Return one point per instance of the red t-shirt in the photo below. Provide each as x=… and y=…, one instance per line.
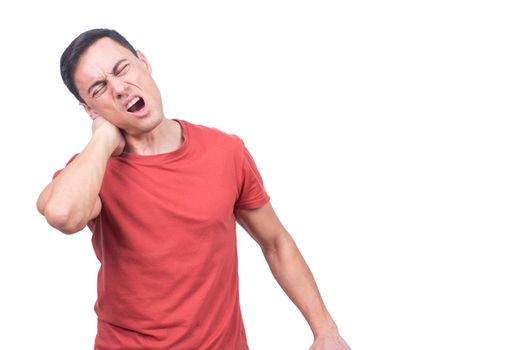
x=166, y=241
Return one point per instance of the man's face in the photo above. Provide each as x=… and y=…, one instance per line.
x=118, y=86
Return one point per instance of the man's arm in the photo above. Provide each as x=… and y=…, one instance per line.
x=292, y=273
x=71, y=199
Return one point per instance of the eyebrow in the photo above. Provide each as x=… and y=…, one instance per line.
x=114, y=72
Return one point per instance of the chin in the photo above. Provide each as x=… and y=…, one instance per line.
x=148, y=124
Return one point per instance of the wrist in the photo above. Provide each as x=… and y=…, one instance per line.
x=324, y=327
x=108, y=141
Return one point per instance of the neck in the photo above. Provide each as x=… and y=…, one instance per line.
x=166, y=137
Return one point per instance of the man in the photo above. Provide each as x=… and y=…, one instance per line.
x=162, y=198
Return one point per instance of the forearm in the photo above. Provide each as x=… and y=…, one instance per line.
x=294, y=276
x=69, y=201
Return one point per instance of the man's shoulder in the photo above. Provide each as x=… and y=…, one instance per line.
x=214, y=135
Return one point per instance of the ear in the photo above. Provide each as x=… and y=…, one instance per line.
x=92, y=113
x=142, y=58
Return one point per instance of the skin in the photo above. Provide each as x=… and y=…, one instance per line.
x=107, y=77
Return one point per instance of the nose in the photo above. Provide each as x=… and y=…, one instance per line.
x=119, y=87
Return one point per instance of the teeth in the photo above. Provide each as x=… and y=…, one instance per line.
x=132, y=102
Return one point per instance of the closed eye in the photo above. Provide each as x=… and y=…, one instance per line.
x=122, y=70
x=100, y=88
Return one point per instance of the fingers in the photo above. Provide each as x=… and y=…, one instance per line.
x=97, y=122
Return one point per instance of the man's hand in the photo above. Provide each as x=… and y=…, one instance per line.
x=114, y=135
x=71, y=200
x=292, y=273
x=329, y=341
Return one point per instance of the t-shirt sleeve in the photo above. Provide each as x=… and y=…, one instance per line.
x=252, y=192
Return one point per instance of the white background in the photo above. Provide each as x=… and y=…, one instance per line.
x=388, y=133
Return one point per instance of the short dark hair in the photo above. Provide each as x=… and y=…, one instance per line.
x=74, y=51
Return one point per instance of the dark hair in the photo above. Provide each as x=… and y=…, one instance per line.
x=74, y=51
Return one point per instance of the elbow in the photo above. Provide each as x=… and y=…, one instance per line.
x=63, y=219
x=279, y=244
x=279, y=253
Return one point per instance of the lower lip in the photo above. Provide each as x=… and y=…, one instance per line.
x=142, y=112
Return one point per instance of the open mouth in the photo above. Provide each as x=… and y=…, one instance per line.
x=136, y=104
